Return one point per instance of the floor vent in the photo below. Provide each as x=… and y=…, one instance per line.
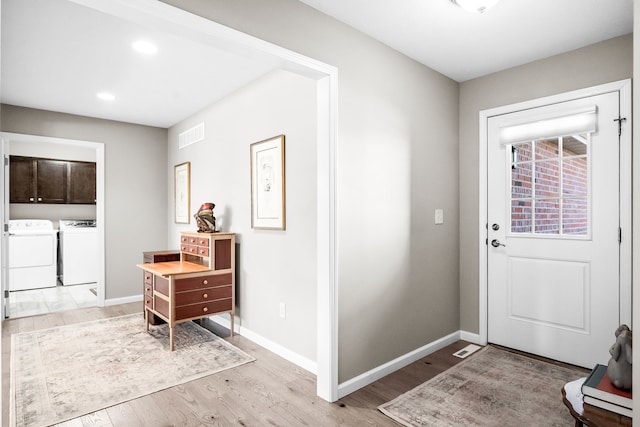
x=470, y=349
x=191, y=136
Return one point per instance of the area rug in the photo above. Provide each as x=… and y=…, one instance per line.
x=62, y=373
x=493, y=387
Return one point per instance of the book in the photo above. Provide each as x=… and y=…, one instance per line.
x=611, y=407
x=599, y=386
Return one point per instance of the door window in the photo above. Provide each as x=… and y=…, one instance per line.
x=549, y=192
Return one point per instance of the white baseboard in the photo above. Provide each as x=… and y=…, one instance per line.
x=381, y=371
x=471, y=337
x=285, y=353
x=123, y=300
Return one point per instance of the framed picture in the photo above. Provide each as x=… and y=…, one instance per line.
x=182, y=189
x=267, y=184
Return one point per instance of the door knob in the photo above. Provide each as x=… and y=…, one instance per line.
x=495, y=243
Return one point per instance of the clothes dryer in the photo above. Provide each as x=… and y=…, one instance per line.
x=78, y=251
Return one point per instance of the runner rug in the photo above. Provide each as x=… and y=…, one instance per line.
x=65, y=372
x=493, y=387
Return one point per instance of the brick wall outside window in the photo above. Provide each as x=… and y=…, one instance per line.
x=560, y=202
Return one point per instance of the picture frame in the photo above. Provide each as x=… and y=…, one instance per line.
x=268, y=184
x=182, y=192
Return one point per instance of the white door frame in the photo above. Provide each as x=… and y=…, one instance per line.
x=206, y=31
x=624, y=87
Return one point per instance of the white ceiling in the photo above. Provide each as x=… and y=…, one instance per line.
x=464, y=45
x=56, y=55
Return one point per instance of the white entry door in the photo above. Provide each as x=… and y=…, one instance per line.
x=553, y=210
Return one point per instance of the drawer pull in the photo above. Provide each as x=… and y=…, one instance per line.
x=205, y=309
x=205, y=296
x=202, y=251
x=205, y=282
x=148, y=289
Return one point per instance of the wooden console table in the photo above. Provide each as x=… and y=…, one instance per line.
x=201, y=284
x=593, y=416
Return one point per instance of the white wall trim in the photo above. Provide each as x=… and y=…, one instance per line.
x=622, y=86
x=181, y=22
x=285, y=353
x=124, y=300
x=326, y=246
x=385, y=369
x=471, y=337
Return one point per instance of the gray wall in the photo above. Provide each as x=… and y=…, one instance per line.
x=600, y=63
x=274, y=266
x=397, y=162
x=135, y=185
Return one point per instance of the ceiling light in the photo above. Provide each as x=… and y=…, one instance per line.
x=475, y=6
x=106, y=96
x=145, y=47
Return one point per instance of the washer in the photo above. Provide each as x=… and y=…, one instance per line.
x=78, y=251
x=32, y=254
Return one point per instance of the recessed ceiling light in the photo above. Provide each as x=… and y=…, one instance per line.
x=145, y=47
x=106, y=96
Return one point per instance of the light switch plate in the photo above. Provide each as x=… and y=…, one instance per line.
x=439, y=216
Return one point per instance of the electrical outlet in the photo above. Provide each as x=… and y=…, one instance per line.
x=283, y=310
x=439, y=216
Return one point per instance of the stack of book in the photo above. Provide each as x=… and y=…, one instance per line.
x=598, y=390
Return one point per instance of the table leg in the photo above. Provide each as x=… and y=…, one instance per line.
x=232, y=318
x=171, y=338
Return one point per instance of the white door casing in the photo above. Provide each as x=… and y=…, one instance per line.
x=4, y=246
x=561, y=296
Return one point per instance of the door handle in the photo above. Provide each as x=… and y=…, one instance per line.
x=495, y=243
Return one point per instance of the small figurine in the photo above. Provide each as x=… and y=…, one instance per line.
x=205, y=220
x=619, y=368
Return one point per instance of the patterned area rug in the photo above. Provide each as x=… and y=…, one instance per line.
x=62, y=373
x=491, y=388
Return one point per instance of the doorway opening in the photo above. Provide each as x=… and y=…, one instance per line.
x=29, y=302
x=180, y=22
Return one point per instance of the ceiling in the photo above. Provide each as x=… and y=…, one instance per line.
x=56, y=54
x=464, y=45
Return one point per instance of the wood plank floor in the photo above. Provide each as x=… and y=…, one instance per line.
x=269, y=391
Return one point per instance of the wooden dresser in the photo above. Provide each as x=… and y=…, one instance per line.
x=200, y=284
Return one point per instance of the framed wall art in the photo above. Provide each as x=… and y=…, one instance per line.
x=267, y=184
x=182, y=192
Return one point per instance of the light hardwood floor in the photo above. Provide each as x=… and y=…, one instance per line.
x=269, y=391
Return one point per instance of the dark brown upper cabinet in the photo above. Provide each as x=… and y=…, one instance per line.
x=82, y=183
x=38, y=180
x=22, y=180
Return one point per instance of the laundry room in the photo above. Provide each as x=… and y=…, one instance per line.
x=53, y=243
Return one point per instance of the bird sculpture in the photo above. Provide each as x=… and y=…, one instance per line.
x=205, y=220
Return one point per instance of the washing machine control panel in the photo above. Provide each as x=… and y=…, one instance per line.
x=30, y=224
